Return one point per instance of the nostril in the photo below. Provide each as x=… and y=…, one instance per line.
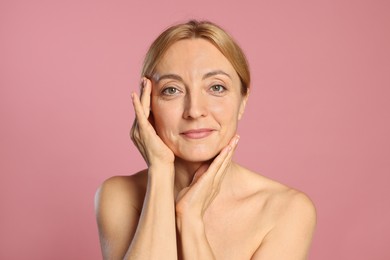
x=195, y=107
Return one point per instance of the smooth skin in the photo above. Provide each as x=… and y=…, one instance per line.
x=193, y=201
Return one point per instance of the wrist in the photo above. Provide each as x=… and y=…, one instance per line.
x=189, y=223
x=161, y=176
x=163, y=169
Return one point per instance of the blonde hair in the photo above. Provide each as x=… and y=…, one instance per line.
x=204, y=30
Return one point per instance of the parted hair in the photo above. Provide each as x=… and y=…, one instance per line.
x=204, y=30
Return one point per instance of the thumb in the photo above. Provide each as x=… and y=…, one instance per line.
x=199, y=173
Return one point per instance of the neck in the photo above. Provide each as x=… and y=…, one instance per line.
x=185, y=171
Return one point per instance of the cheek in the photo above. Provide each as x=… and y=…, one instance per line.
x=165, y=118
x=227, y=112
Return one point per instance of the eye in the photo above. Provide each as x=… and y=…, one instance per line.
x=170, y=91
x=218, y=88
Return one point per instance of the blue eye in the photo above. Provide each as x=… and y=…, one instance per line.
x=218, y=88
x=170, y=91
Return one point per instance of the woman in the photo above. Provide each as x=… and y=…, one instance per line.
x=193, y=201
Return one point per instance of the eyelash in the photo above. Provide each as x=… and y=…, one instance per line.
x=221, y=90
x=166, y=90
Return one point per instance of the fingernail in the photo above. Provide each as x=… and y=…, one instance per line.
x=237, y=138
x=144, y=82
x=141, y=83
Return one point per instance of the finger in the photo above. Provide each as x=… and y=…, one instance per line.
x=227, y=160
x=199, y=173
x=233, y=143
x=145, y=96
x=133, y=130
x=225, y=154
x=220, y=164
x=141, y=118
x=217, y=163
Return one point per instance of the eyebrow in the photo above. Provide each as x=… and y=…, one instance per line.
x=167, y=76
x=214, y=73
x=178, y=78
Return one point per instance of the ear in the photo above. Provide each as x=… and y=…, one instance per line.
x=243, y=105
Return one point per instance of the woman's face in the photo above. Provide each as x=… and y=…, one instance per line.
x=196, y=100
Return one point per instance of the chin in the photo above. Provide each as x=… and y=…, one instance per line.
x=197, y=151
x=197, y=156
x=195, y=159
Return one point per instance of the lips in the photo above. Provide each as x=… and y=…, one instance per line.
x=197, y=133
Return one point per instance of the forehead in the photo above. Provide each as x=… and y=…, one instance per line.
x=195, y=56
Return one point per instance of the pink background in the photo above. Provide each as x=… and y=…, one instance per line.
x=317, y=118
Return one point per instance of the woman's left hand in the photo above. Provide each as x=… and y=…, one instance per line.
x=196, y=198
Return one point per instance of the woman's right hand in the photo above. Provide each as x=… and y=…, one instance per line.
x=143, y=134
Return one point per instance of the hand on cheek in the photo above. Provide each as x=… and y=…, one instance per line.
x=143, y=134
x=194, y=200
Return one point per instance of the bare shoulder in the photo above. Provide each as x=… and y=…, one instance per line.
x=286, y=201
x=288, y=215
x=293, y=210
x=118, y=204
x=130, y=188
x=276, y=197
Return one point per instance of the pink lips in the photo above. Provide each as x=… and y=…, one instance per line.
x=198, y=133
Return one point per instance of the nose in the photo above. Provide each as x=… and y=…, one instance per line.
x=195, y=106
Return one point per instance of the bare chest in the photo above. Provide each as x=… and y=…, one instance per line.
x=235, y=231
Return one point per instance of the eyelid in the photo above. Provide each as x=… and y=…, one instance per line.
x=218, y=85
x=165, y=94
x=164, y=84
x=218, y=92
